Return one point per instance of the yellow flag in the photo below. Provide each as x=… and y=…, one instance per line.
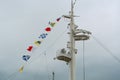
x=37, y=43
x=52, y=24
x=21, y=69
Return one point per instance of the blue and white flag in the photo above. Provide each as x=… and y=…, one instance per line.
x=26, y=57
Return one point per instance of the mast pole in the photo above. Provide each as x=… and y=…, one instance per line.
x=72, y=48
x=53, y=76
x=75, y=35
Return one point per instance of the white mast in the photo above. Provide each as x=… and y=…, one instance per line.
x=75, y=35
x=72, y=46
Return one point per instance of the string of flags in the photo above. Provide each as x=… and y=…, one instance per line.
x=37, y=43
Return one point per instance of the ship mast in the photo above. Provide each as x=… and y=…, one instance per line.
x=75, y=35
x=72, y=46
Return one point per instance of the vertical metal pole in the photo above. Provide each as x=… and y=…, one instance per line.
x=72, y=48
x=53, y=76
x=84, y=60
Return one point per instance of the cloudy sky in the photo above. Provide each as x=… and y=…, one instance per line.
x=22, y=21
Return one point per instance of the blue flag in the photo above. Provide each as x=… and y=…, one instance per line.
x=26, y=57
x=43, y=35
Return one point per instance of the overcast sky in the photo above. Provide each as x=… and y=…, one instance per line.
x=22, y=21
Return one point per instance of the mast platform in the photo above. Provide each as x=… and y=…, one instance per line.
x=62, y=55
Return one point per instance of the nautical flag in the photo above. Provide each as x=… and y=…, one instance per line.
x=58, y=19
x=52, y=24
x=48, y=29
x=26, y=57
x=43, y=35
x=30, y=48
x=21, y=69
x=37, y=43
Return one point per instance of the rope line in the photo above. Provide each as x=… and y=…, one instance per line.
x=103, y=46
x=50, y=46
x=57, y=39
x=12, y=75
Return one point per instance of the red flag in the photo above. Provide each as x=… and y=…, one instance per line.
x=58, y=19
x=48, y=29
x=30, y=48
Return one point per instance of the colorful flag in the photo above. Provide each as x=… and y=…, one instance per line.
x=43, y=35
x=52, y=24
x=37, y=43
x=58, y=19
x=48, y=29
x=30, y=48
x=21, y=69
x=26, y=57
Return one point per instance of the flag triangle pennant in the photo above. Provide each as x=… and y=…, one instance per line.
x=43, y=35
x=58, y=19
x=52, y=24
x=37, y=43
x=21, y=69
x=30, y=48
x=26, y=57
x=48, y=29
